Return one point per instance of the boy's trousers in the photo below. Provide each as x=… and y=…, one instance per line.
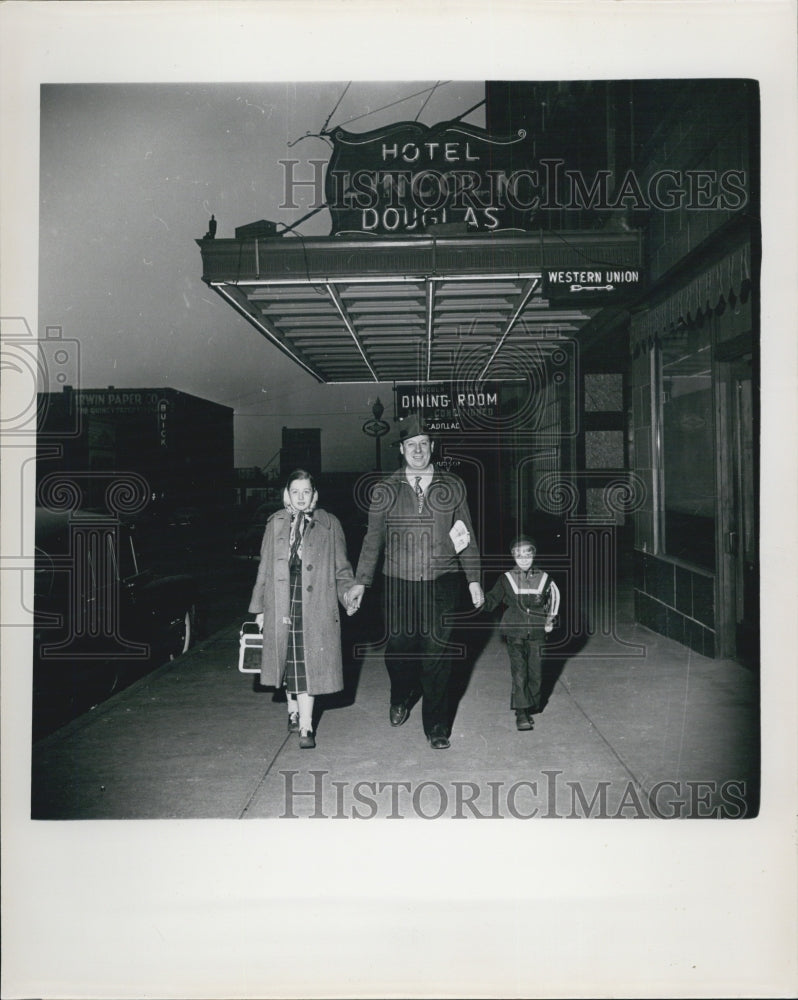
x=526, y=668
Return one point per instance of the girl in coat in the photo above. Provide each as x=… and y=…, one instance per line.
x=303, y=569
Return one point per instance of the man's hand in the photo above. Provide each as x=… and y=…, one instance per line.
x=477, y=596
x=259, y=620
x=549, y=623
x=353, y=597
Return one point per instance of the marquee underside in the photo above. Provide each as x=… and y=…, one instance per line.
x=421, y=309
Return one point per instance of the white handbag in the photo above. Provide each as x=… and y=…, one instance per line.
x=250, y=648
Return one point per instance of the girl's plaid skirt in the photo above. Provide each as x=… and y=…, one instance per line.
x=295, y=677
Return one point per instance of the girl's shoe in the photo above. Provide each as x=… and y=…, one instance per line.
x=293, y=722
x=523, y=720
x=307, y=741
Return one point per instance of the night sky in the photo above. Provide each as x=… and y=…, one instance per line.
x=130, y=175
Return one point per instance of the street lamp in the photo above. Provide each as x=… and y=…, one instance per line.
x=376, y=428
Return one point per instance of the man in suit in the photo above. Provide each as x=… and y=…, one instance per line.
x=420, y=517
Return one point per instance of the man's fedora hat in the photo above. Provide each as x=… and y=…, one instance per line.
x=411, y=427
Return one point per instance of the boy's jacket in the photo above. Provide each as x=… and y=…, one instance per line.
x=529, y=598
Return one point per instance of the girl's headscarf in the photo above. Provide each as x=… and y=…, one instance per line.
x=299, y=518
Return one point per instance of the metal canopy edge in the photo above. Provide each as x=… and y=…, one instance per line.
x=382, y=310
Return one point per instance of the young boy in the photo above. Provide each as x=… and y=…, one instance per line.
x=531, y=600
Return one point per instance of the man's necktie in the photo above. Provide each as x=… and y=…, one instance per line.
x=419, y=494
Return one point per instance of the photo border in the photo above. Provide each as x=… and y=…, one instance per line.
x=184, y=908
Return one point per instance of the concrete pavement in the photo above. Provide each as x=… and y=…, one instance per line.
x=635, y=726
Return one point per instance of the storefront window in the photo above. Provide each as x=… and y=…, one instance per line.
x=688, y=452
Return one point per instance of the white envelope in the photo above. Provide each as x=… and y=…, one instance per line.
x=459, y=535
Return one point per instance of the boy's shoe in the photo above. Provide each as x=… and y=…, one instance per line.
x=293, y=722
x=523, y=720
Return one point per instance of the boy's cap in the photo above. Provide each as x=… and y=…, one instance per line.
x=520, y=540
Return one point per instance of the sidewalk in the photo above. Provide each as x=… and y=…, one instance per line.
x=660, y=732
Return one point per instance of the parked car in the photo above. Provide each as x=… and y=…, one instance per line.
x=247, y=539
x=107, y=609
x=189, y=536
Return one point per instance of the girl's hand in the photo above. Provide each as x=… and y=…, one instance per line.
x=353, y=597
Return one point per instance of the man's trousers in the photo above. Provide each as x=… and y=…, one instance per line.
x=418, y=653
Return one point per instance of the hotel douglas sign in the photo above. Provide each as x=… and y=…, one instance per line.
x=403, y=178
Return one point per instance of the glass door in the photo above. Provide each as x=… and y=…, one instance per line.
x=742, y=537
